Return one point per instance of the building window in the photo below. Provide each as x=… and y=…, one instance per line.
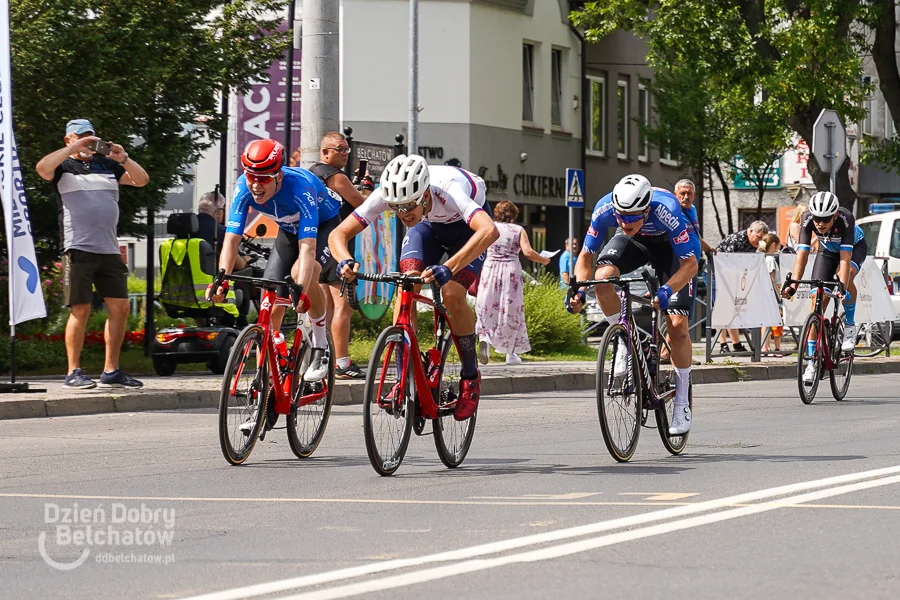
x=622, y=119
x=528, y=83
x=597, y=133
x=644, y=118
x=556, y=88
x=746, y=216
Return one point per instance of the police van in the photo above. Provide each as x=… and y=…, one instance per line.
x=882, y=230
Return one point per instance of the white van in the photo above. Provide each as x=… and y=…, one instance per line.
x=882, y=231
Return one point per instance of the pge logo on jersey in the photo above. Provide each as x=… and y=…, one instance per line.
x=114, y=533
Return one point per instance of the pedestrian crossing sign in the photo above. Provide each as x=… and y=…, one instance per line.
x=575, y=188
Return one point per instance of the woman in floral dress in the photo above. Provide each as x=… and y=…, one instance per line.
x=500, y=304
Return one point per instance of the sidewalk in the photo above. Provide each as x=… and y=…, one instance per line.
x=202, y=391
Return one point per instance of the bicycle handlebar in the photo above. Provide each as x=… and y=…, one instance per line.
x=401, y=279
x=294, y=289
x=816, y=283
x=651, y=281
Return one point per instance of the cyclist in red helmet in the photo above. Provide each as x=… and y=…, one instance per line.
x=306, y=213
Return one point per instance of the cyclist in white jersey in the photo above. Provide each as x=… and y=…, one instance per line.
x=445, y=211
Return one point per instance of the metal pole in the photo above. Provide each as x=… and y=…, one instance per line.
x=320, y=59
x=571, y=266
x=831, y=175
x=413, y=126
x=150, y=323
x=289, y=83
x=12, y=347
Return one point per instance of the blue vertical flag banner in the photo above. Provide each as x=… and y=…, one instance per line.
x=26, y=297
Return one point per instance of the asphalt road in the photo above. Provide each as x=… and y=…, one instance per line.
x=771, y=499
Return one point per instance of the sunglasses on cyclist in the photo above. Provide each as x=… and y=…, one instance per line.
x=822, y=220
x=628, y=219
x=402, y=209
x=261, y=179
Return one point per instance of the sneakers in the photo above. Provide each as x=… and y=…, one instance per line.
x=484, y=353
x=739, y=347
x=318, y=365
x=724, y=349
x=467, y=403
x=849, y=342
x=79, y=381
x=513, y=359
x=810, y=373
x=352, y=371
x=119, y=378
x=681, y=421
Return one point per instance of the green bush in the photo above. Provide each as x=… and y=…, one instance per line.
x=551, y=328
x=32, y=355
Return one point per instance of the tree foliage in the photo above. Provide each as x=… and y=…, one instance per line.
x=766, y=70
x=144, y=72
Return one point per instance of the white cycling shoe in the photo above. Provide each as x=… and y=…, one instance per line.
x=849, y=342
x=810, y=373
x=681, y=421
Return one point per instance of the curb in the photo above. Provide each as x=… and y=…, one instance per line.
x=351, y=393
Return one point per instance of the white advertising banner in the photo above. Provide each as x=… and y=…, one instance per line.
x=873, y=303
x=797, y=308
x=26, y=297
x=744, y=297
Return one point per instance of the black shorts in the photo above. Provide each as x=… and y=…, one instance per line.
x=631, y=253
x=82, y=271
x=286, y=251
x=827, y=263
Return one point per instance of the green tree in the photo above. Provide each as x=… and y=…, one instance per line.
x=769, y=67
x=143, y=72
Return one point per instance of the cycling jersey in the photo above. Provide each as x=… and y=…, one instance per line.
x=299, y=206
x=842, y=236
x=456, y=195
x=665, y=219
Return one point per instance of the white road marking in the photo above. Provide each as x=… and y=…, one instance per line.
x=465, y=554
x=660, y=496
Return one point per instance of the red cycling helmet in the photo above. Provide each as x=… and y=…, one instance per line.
x=263, y=156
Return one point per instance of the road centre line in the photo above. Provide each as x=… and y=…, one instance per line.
x=464, y=554
x=558, y=551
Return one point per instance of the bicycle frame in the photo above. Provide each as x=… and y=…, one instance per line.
x=428, y=407
x=821, y=338
x=283, y=378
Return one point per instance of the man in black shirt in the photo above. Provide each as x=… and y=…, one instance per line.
x=333, y=156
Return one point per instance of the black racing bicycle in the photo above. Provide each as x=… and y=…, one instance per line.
x=628, y=390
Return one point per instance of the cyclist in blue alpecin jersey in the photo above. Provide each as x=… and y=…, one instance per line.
x=306, y=213
x=651, y=229
x=842, y=249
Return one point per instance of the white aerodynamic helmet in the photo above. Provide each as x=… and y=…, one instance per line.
x=405, y=179
x=632, y=194
x=823, y=204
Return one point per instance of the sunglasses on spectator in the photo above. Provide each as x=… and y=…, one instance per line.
x=261, y=179
x=402, y=209
x=822, y=219
x=628, y=219
x=341, y=150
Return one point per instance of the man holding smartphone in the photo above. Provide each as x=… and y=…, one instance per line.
x=86, y=174
x=333, y=156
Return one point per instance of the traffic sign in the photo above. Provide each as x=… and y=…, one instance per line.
x=575, y=188
x=829, y=137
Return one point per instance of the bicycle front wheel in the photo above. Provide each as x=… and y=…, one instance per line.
x=242, y=401
x=843, y=363
x=452, y=438
x=618, y=394
x=388, y=404
x=306, y=424
x=808, y=383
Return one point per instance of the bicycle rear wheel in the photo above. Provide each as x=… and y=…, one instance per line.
x=618, y=395
x=843, y=363
x=674, y=444
x=242, y=401
x=452, y=438
x=808, y=388
x=873, y=338
x=306, y=424
x=388, y=404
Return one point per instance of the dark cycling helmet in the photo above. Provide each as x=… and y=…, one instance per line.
x=823, y=204
x=263, y=156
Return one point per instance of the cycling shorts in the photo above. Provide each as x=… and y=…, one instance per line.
x=827, y=263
